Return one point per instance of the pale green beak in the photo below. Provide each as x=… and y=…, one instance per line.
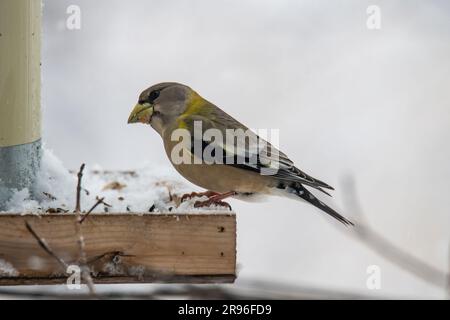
x=141, y=113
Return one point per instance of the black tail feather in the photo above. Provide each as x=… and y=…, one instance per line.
x=306, y=195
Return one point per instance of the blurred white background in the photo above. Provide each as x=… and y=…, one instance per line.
x=372, y=104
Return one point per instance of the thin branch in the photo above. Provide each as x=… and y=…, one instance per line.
x=388, y=250
x=106, y=204
x=99, y=201
x=80, y=177
x=46, y=248
x=85, y=272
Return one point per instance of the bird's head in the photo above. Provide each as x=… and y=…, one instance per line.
x=161, y=104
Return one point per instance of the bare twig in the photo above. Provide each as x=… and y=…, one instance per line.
x=85, y=272
x=99, y=201
x=45, y=246
x=80, y=176
x=105, y=204
x=386, y=248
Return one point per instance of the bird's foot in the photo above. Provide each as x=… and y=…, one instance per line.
x=210, y=202
x=216, y=200
x=189, y=196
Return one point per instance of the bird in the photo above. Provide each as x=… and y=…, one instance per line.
x=246, y=170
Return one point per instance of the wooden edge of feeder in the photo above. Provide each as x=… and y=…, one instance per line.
x=119, y=248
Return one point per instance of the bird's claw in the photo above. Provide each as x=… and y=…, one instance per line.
x=210, y=202
x=189, y=196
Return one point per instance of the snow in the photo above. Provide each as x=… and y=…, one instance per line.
x=149, y=189
x=6, y=269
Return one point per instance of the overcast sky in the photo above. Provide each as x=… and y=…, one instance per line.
x=349, y=101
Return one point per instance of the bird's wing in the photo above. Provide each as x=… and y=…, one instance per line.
x=255, y=155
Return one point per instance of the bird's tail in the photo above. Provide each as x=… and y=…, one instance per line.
x=300, y=191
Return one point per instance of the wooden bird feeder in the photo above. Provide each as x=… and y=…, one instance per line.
x=118, y=248
x=122, y=248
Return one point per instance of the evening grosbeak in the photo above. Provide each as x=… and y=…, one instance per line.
x=171, y=107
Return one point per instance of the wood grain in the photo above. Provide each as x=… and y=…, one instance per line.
x=123, y=248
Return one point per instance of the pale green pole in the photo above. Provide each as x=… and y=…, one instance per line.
x=20, y=94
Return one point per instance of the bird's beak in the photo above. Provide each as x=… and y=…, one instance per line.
x=141, y=113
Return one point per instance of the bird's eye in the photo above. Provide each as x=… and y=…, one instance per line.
x=153, y=96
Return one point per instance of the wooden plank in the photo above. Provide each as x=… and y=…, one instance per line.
x=122, y=248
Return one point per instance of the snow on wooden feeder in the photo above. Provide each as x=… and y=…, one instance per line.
x=169, y=242
x=42, y=240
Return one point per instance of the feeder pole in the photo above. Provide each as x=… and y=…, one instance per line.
x=20, y=94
